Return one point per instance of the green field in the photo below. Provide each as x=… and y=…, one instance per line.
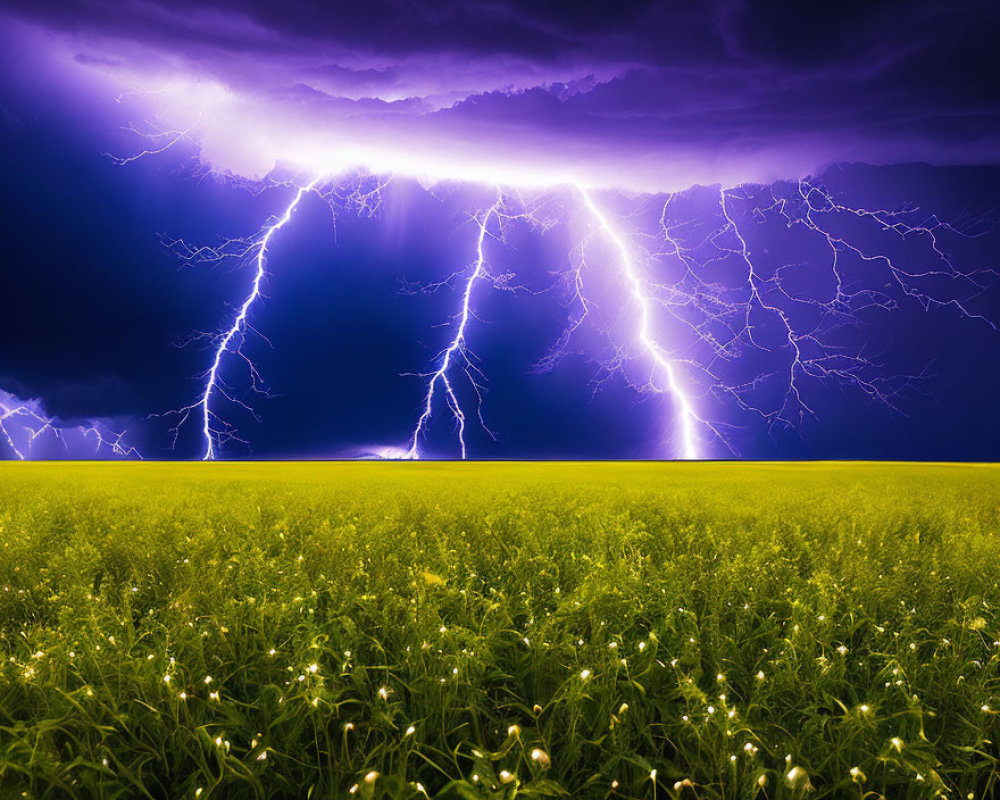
x=499, y=630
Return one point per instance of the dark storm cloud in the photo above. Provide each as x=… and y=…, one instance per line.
x=818, y=82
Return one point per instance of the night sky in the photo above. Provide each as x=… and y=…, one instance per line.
x=641, y=106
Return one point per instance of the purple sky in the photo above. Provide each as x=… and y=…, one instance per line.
x=886, y=106
x=650, y=96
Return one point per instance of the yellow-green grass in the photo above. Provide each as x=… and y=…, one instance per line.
x=499, y=630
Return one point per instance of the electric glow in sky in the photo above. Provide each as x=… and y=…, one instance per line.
x=704, y=262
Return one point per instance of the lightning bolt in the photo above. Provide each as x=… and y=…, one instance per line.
x=215, y=431
x=36, y=425
x=457, y=350
x=661, y=361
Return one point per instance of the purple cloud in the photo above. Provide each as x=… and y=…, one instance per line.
x=638, y=95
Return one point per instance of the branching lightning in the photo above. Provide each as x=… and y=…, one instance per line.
x=664, y=375
x=715, y=324
x=27, y=423
x=215, y=430
x=457, y=350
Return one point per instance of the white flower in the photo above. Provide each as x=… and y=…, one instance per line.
x=796, y=775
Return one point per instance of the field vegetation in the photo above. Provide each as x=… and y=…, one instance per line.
x=448, y=630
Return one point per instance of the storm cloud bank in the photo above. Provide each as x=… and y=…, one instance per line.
x=632, y=95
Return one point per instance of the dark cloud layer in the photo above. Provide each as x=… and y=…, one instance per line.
x=769, y=85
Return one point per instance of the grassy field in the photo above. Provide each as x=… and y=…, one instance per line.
x=499, y=630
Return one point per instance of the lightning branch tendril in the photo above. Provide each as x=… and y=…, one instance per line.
x=664, y=375
x=456, y=352
x=215, y=430
x=33, y=426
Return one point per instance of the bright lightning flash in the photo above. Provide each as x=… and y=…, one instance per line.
x=21, y=421
x=457, y=349
x=715, y=320
x=214, y=429
x=661, y=361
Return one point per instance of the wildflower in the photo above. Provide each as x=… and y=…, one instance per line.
x=614, y=784
x=410, y=731
x=684, y=784
x=213, y=696
x=762, y=781
x=797, y=776
x=897, y=744
x=540, y=757
x=584, y=674
x=505, y=776
x=262, y=756
x=514, y=730
x=857, y=775
x=314, y=668
x=183, y=695
x=348, y=727
x=383, y=693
